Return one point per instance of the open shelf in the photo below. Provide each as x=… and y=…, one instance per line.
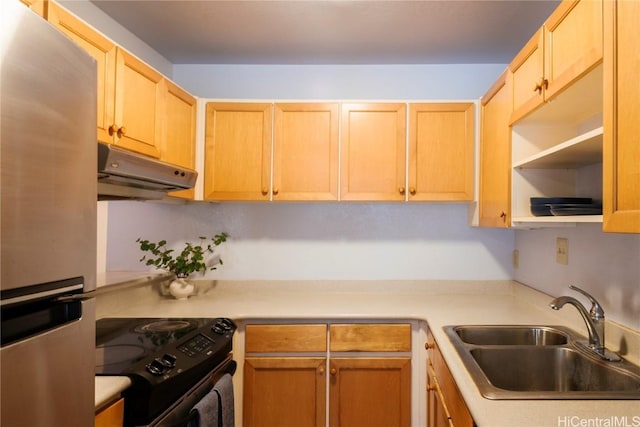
x=553, y=221
x=583, y=150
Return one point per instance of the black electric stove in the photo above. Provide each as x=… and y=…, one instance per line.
x=163, y=357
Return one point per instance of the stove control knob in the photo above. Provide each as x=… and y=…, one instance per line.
x=169, y=360
x=156, y=367
x=218, y=329
x=225, y=324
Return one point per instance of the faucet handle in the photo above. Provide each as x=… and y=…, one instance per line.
x=596, y=309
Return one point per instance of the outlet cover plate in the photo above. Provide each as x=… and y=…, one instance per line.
x=562, y=251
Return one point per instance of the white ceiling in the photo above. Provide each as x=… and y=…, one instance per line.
x=332, y=31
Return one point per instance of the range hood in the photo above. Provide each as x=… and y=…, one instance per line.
x=123, y=174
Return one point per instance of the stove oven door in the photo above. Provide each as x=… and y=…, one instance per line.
x=181, y=413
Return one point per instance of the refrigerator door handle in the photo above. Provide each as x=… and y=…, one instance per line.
x=31, y=319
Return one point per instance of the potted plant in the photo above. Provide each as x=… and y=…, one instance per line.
x=190, y=260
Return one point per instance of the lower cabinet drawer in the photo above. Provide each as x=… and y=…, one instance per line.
x=286, y=338
x=395, y=337
x=111, y=416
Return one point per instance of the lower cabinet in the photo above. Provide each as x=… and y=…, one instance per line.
x=445, y=405
x=318, y=374
x=370, y=391
x=111, y=416
x=437, y=415
x=284, y=391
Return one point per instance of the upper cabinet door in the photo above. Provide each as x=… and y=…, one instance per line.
x=564, y=49
x=621, y=155
x=441, y=151
x=573, y=43
x=494, y=201
x=178, y=140
x=179, y=136
x=305, y=151
x=139, y=105
x=237, y=151
x=38, y=6
x=103, y=51
x=527, y=70
x=373, y=138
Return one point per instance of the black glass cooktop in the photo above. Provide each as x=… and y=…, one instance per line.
x=122, y=342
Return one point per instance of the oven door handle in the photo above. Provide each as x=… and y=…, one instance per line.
x=181, y=414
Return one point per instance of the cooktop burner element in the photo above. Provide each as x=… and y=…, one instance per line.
x=164, y=325
x=163, y=357
x=121, y=342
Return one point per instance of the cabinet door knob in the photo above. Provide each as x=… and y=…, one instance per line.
x=276, y=191
x=321, y=369
x=401, y=190
x=264, y=191
x=503, y=215
x=538, y=88
x=333, y=372
x=412, y=191
x=112, y=129
x=544, y=84
x=122, y=131
x=428, y=345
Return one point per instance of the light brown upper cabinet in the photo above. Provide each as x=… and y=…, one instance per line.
x=178, y=144
x=565, y=48
x=237, y=151
x=621, y=147
x=373, y=164
x=38, y=6
x=305, y=151
x=494, y=201
x=130, y=94
x=139, y=105
x=441, y=151
x=103, y=51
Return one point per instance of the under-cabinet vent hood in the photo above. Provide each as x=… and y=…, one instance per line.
x=126, y=175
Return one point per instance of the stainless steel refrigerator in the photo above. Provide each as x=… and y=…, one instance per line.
x=48, y=224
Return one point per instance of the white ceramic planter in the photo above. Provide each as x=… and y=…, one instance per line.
x=181, y=289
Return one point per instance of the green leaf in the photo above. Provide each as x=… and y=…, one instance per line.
x=190, y=259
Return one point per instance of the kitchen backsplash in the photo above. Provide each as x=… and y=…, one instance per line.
x=607, y=265
x=322, y=241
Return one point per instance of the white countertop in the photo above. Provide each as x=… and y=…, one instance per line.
x=108, y=389
x=440, y=303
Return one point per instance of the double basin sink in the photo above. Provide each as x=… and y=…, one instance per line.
x=539, y=362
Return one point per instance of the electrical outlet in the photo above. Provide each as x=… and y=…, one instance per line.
x=516, y=258
x=562, y=251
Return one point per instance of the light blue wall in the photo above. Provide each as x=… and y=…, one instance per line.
x=607, y=265
x=287, y=241
x=338, y=82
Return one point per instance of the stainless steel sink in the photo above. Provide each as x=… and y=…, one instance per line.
x=539, y=362
x=511, y=335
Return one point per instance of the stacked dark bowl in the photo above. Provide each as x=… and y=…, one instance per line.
x=563, y=206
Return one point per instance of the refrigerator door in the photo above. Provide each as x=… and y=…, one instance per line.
x=48, y=154
x=48, y=226
x=48, y=380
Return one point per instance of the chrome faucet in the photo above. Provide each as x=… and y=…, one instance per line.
x=594, y=320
